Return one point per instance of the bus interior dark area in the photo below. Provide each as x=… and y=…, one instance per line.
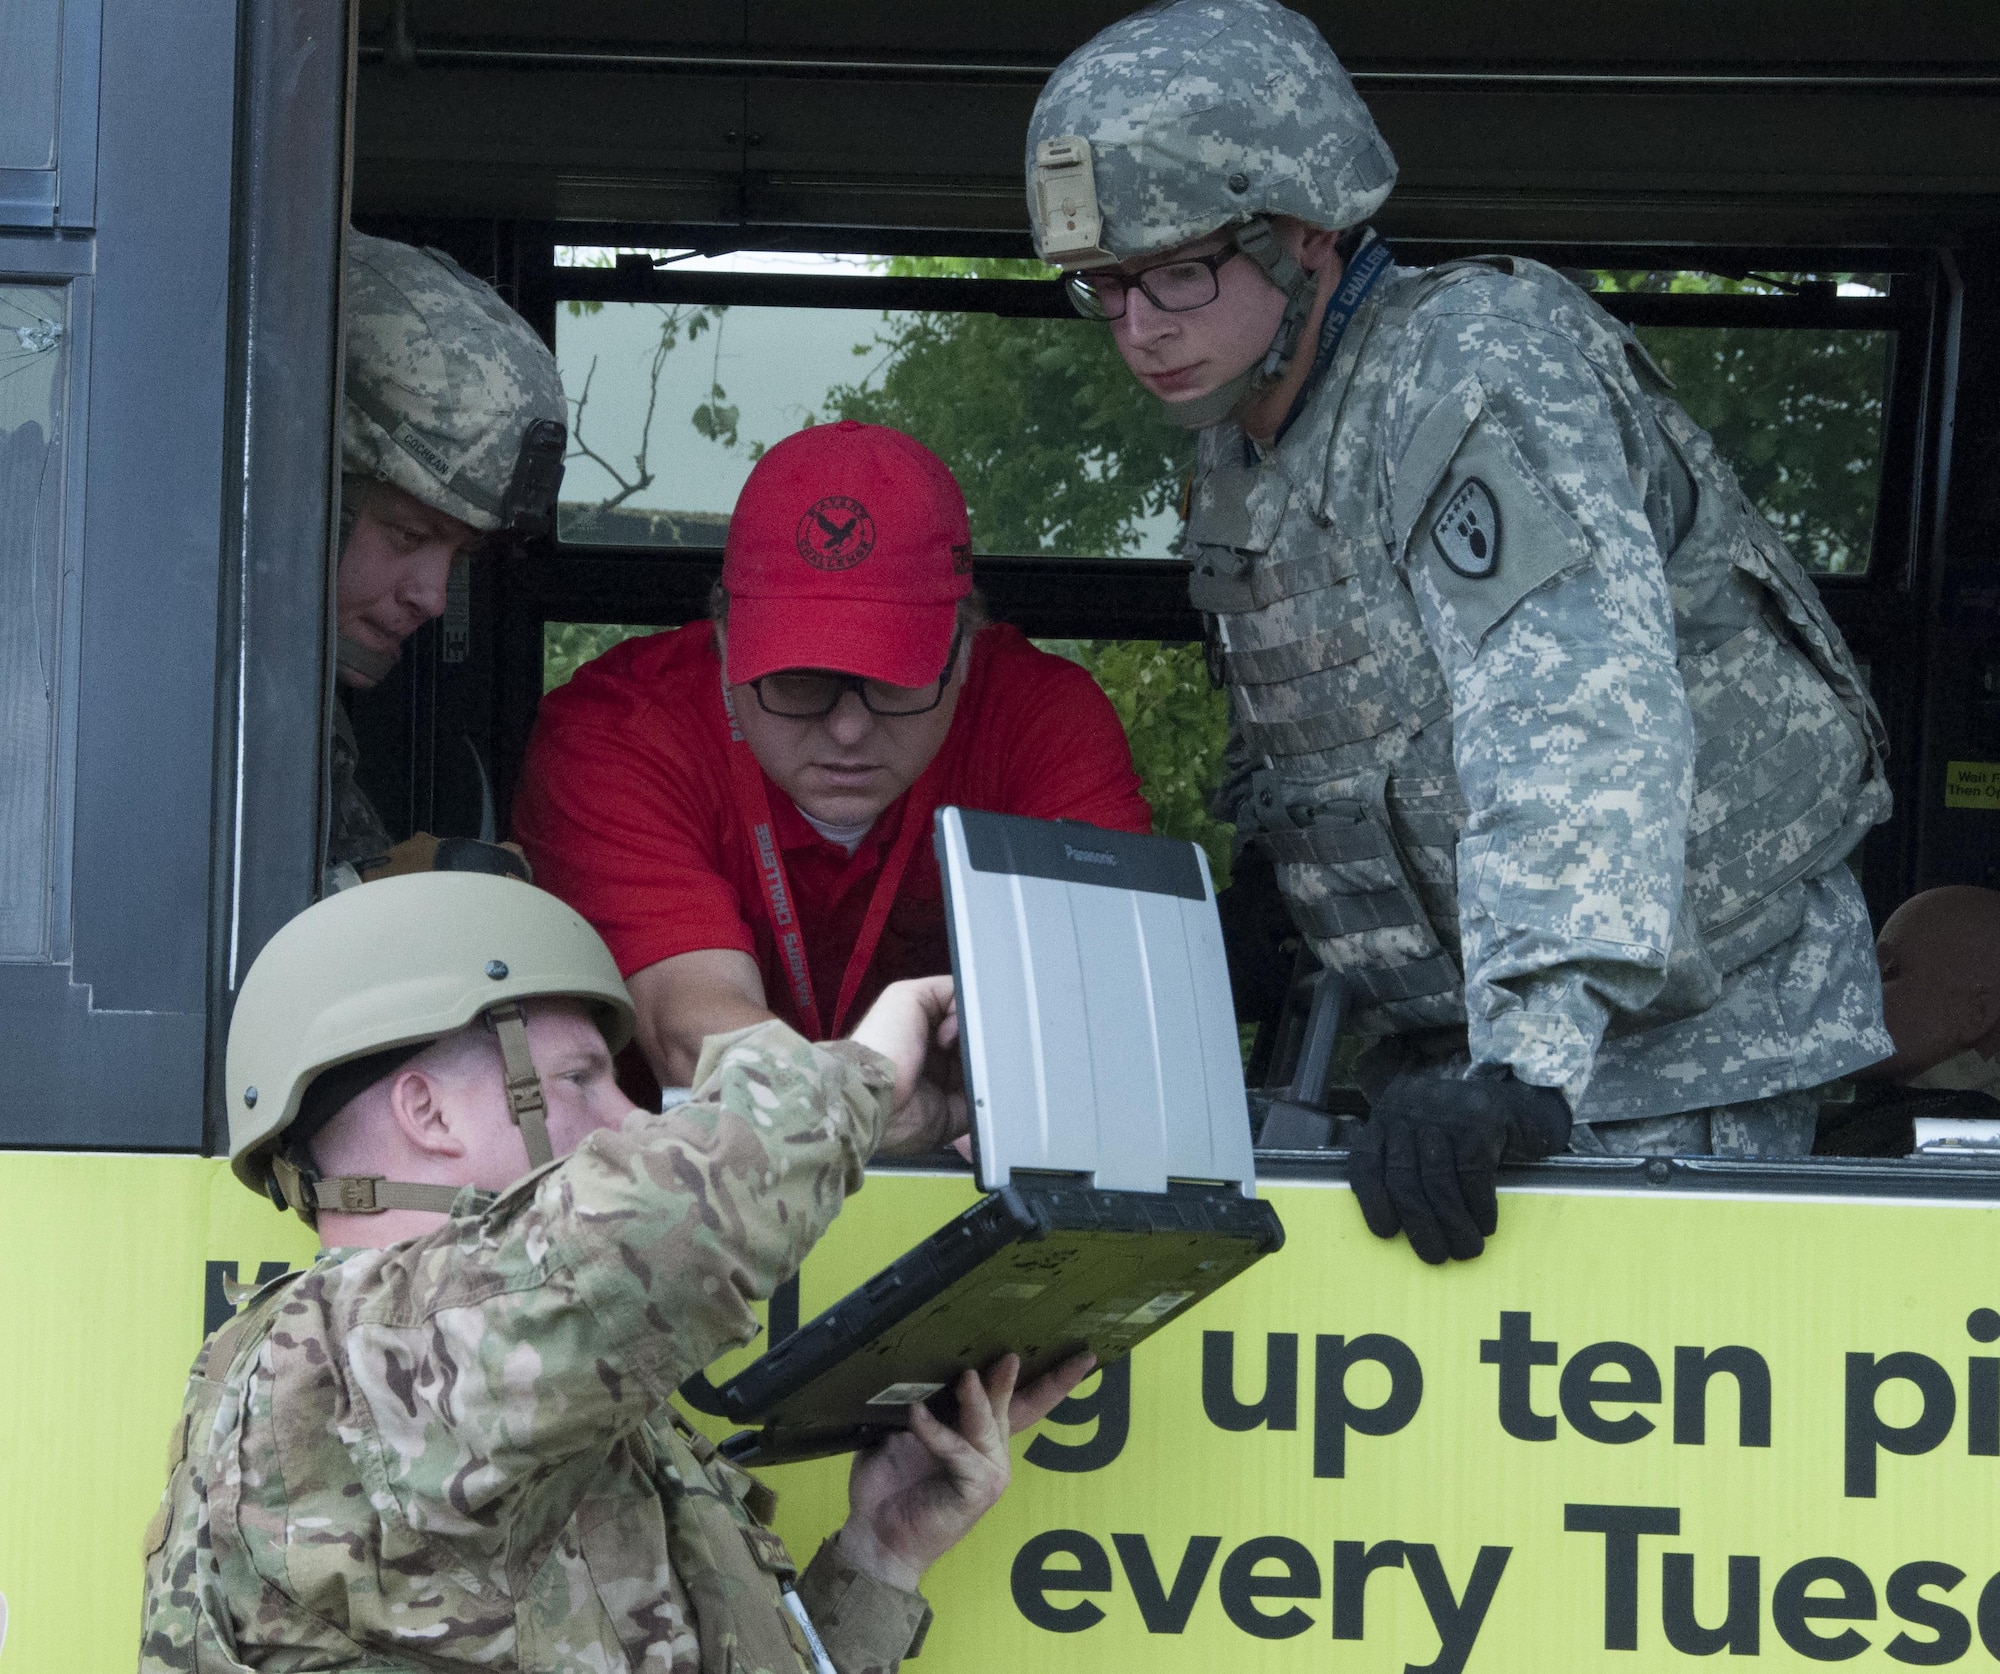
x=1802, y=152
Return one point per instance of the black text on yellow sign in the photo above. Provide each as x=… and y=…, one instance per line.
x=1640, y=1432
x=1600, y=1392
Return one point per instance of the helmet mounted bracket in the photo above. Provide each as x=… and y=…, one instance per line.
x=1072, y=224
x=528, y=512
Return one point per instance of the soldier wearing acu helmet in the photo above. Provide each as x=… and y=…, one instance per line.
x=451, y=436
x=1552, y=748
x=450, y=1442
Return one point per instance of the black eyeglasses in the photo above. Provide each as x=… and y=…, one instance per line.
x=810, y=694
x=1175, y=287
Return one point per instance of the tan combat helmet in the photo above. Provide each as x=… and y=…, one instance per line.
x=367, y=978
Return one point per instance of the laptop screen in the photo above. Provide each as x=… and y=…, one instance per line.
x=1099, y=1034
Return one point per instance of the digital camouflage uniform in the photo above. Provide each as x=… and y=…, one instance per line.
x=443, y=385
x=459, y=1451
x=355, y=832
x=1591, y=805
x=1556, y=751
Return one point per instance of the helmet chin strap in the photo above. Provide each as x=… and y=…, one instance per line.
x=524, y=1086
x=372, y=666
x=370, y=1194
x=1258, y=240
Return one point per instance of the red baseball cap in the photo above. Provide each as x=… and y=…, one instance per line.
x=849, y=549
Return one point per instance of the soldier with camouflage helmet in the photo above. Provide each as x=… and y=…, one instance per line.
x=452, y=433
x=1549, y=744
x=451, y=1442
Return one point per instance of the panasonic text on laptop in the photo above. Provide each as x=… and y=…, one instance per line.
x=1110, y=1131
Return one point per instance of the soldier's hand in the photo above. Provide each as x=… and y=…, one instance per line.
x=913, y=1497
x=915, y=1026
x=1426, y=1161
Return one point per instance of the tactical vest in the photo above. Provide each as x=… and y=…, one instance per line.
x=1339, y=698
x=730, y=1564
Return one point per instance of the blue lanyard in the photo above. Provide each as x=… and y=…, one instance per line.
x=1370, y=263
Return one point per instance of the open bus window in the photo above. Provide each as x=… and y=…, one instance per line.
x=33, y=342
x=1797, y=410
x=1057, y=448
x=680, y=394
x=1798, y=413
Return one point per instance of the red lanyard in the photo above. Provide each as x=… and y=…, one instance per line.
x=754, y=804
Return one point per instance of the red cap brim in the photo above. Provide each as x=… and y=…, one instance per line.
x=904, y=644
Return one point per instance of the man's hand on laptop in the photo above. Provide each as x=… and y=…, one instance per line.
x=915, y=1026
x=913, y=1497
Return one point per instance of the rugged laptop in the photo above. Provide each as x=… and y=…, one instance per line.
x=1110, y=1132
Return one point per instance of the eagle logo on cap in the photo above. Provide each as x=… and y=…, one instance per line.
x=836, y=534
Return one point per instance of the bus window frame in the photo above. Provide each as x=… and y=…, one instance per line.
x=1882, y=610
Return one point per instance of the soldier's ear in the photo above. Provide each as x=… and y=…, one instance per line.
x=1316, y=247
x=427, y=1120
x=1979, y=1024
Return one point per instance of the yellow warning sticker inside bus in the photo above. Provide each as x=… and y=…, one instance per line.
x=1972, y=784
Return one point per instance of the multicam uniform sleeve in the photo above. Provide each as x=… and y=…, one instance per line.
x=491, y=1365
x=1523, y=528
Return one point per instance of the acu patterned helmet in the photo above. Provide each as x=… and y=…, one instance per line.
x=1193, y=116
x=448, y=394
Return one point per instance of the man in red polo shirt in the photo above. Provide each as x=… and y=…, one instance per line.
x=757, y=843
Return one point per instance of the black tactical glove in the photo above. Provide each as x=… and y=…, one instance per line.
x=1425, y=1159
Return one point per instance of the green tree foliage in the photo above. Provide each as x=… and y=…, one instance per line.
x=1177, y=724
x=1057, y=447
x=567, y=646
x=1797, y=412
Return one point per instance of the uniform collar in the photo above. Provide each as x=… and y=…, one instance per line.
x=1300, y=450
x=1350, y=297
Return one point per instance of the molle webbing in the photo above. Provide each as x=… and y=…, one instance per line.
x=1226, y=579
x=1334, y=728
x=1355, y=897
x=1339, y=642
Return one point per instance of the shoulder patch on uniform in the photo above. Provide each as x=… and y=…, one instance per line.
x=1466, y=531
x=1491, y=534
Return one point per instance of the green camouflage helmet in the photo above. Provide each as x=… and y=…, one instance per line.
x=449, y=394
x=1194, y=116
x=389, y=968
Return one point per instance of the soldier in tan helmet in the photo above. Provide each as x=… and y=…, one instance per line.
x=451, y=438
x=450, y=1442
